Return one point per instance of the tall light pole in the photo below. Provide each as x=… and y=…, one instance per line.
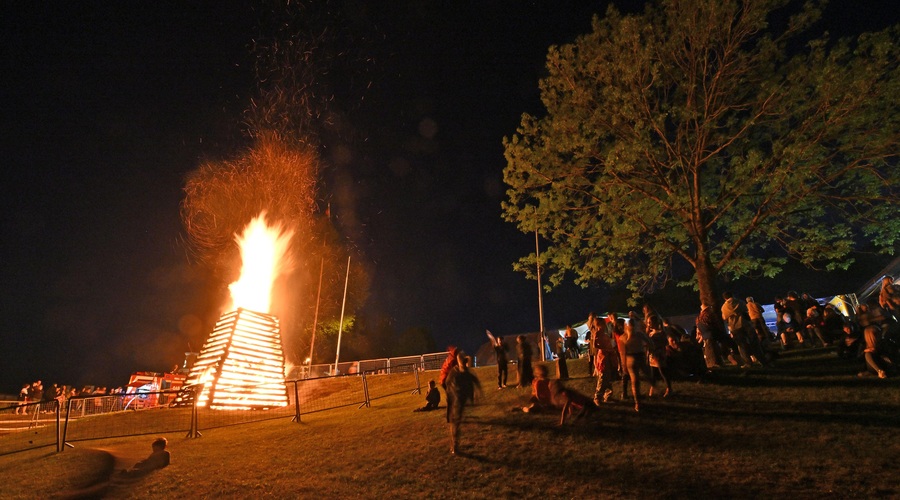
x=537, y=260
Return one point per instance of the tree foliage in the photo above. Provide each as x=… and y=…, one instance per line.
x=717, y=133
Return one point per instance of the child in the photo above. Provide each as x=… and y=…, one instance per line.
x=157, y=460
x=432, y=398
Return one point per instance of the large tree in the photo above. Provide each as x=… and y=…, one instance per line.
x=717, y=133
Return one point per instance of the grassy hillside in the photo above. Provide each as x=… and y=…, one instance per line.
x=807, y=428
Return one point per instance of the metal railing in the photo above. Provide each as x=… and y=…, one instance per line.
x=430, y=361
x=84, y=418
x=28, y=426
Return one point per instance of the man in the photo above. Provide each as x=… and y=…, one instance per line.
x=709, y=329
x=572, y=349
x=500, y=349
x=735, y=316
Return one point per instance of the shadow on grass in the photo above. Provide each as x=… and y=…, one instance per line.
x=803, y=368
x=862, y=414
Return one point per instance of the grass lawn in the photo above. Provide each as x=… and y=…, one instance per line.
x=807, y=428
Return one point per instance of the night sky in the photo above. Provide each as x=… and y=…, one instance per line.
x=108, y=106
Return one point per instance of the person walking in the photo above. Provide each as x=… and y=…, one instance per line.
x=636, y=343
x=461, y=387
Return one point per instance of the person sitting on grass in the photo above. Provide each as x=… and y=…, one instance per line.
x=541, y=399
x=432, y=398
x=157, y=460
x=787, y=329
x=850, y=344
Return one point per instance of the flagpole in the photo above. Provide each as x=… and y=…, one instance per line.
x=337, y=355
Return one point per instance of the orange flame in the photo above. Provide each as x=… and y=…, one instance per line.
x=264, y=255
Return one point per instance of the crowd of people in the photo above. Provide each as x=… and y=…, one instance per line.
x=649, y=346
x=34, y=392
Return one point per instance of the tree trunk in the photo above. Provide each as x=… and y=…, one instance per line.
x=706, y=282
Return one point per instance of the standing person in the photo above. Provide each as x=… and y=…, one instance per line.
x=736, y=318
x=798, y=314
x=613, y=331
x=755, y=313
x=461, y=386
x=572, y=349
x=449, y=363
x=659, y=362
x=593, y=326
x=618, y=334
x=37, y=394
x=652, y=321
x=23, y=399
x=562, y=367
x=636, y=344
x=523, y=351
x=500, y=350
x=709, y=329
x=604, y=364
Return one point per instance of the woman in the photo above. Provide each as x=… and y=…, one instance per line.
x=635, y=343
x=659, y=362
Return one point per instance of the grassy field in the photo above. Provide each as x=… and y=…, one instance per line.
x=807, y=428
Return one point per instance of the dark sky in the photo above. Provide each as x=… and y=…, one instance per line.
x=107, y=106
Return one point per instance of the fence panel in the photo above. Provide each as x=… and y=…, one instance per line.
x=433, y=361
x=375, y=365
x=36, y=425
x=100, y=417
x=325, y=393
x=402, y=379
x=28, y=426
